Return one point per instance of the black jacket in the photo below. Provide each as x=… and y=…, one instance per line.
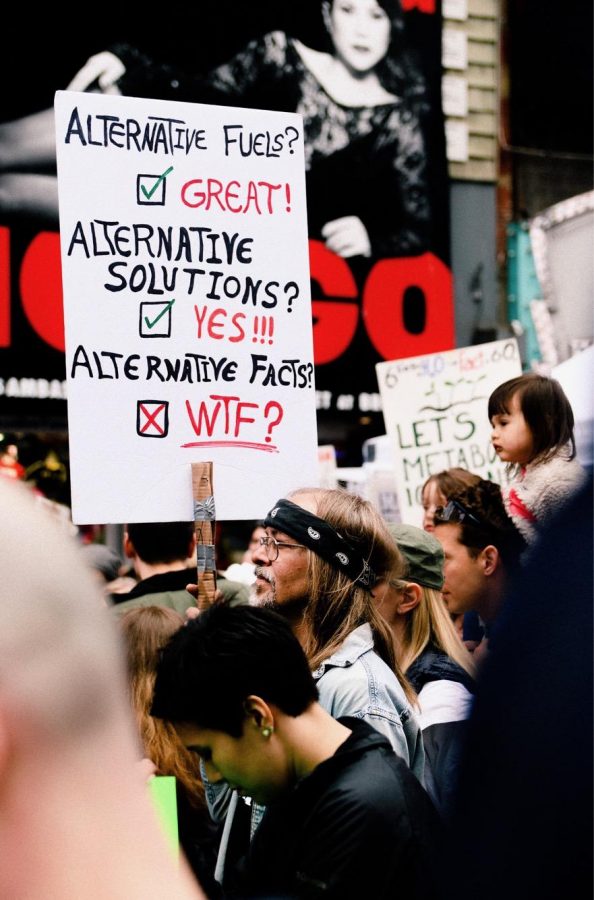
x=445, y=738
x=360, y=825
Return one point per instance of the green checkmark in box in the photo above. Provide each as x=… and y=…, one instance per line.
x=155, y=318
x=151, y=189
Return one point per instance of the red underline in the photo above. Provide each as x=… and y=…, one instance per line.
x=246, y=445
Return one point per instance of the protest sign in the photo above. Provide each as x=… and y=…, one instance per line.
x=187, y=306
x=164, y=797
x=435, y=410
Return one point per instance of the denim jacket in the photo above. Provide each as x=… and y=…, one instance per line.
x=356, y=682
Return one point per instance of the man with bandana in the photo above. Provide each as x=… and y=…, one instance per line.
x=325, y=555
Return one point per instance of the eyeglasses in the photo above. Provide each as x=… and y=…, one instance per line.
x=272, y=546
x=456, y=512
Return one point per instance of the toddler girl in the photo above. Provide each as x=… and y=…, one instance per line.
x=532, y=424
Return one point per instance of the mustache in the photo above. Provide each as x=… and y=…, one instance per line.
x=261, y=572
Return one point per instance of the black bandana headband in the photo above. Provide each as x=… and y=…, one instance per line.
x=322, y=539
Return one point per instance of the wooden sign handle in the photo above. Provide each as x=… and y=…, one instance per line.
x=204, y=526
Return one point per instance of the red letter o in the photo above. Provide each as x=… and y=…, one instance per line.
x=383, y=304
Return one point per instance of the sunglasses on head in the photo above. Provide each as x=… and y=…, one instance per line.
x=456, y=512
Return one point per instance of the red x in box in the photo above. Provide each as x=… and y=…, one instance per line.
x=152, y=418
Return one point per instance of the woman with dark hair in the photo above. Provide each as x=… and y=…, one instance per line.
x=362, y=100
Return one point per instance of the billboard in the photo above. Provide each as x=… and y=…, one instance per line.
x=375, y=164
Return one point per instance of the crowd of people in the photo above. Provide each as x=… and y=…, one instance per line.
x=366, y=709
x=331, y=730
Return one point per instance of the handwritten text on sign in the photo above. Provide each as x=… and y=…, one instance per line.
x=435, y=410
x=187, y=306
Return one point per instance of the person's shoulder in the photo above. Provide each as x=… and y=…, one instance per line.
x=344, y=681
x=569, y=470
x=550, y=483
x=234, y=593
x=177, y=600
x=355, y=680
x=349, y=691
x=559, y=464
x=381, y=677
x=366, y=688
x=375, y=788
x=317, y=61
x=122, y=606
x=443, y=701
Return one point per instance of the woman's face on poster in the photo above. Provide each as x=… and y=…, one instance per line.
x=360, y=31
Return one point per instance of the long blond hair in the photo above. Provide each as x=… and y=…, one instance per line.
x=336, y=604
x=146, y=630
x=430, y=623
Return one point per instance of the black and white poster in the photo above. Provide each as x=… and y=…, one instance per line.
x=365, y=76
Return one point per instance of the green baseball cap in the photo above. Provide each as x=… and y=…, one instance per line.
x=423, y=554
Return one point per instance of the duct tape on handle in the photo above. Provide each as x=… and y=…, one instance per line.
x=205, y=558
x=204, y=510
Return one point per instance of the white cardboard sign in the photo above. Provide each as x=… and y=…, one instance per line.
x=435, y=411
x=187, y=306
